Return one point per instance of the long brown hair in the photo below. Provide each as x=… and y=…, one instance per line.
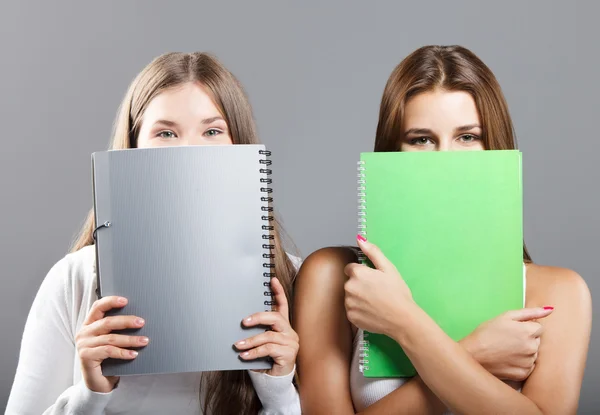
x=229, y=392
x=451, y=68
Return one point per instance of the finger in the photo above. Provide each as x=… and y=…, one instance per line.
x=353, y=269
x=537, y=331
x=280, y=298
x=527, y=314
x=532, y=329
x=101, y=306
x=108, y=324
x=277, y=352
x=264, y=338
x=118, y=340
x=268, y=318
x=530, y=371
x=375, y=255
x=100, y=353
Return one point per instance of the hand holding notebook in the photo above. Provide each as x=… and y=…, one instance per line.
x=188, y=241
x=376, y=298
x=281, y=343
x=379, y=301
x=451, y=222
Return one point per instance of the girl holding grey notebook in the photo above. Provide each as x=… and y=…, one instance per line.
x=177, y=100
x=440, y=98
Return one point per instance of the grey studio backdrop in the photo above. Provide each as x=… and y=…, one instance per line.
x=314, y=74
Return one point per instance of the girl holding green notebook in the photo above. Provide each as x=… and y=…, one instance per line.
x=527, y=360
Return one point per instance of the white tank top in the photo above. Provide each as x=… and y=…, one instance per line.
x=367, y=391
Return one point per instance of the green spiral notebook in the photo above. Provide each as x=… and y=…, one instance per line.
x=451, y=222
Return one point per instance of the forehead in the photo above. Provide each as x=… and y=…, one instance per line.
x=189, y=99
x=440, y=108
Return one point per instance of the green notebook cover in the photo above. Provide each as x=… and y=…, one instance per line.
x=451, y=222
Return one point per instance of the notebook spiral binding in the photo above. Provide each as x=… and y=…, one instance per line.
x=362, y=205
x=363, y=346
x=267, y=227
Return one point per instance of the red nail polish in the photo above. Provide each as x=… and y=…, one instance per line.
x=361, y=238
x=548, y=307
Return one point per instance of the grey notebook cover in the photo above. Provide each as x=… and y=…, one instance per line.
x=188, y=246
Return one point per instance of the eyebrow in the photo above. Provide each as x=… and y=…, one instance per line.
x=204, y=121
x=166, y=122
x=212, y=119
x=467, y=127
x=462, y=128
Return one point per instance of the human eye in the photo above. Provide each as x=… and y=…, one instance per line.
x=212, y=132
x=166, y=135
x=420, y=141
x=468, y=138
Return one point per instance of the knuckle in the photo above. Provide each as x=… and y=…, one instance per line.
x=281, y=319
x=347, y=285
x=105, y=323
x=531, y=348
x=350, y=287
x=84, y=354
x=353, y=269
x=517, y=375
x=535, y=328
x=111, y=339
x=95, y=305
x=351, y=317
x=521, y=374
x=348, y=269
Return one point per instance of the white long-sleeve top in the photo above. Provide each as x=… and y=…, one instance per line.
x=49, y=380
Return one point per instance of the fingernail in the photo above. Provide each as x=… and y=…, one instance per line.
x=241, y=342
x=245, y=353
x=122, y=300
x=133, y=353
x=248, y=319
x=361, y=238
x=139, y=321
x=548, y=307
x=144, y=340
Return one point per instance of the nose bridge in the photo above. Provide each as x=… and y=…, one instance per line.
x=445, y=143
x=195, y=138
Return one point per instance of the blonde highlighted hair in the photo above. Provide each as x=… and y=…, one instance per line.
x=228, y=392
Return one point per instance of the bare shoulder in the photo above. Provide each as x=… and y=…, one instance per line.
x=319, y=287
x=555, y=286
x=325, y=263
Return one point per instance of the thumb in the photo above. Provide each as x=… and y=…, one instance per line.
x=527, y=314
x=280, y=298
x=373, y=252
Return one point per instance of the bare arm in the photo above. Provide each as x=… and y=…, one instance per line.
x=326, y=344
x=450, y=371
x=556, y=381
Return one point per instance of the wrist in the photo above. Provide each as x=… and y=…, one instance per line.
x=410, y=318
x=107, y=385
x=472, y=346
x=279, y=371
x=469, y=344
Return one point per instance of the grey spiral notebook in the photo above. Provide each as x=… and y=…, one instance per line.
x=185, y=234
